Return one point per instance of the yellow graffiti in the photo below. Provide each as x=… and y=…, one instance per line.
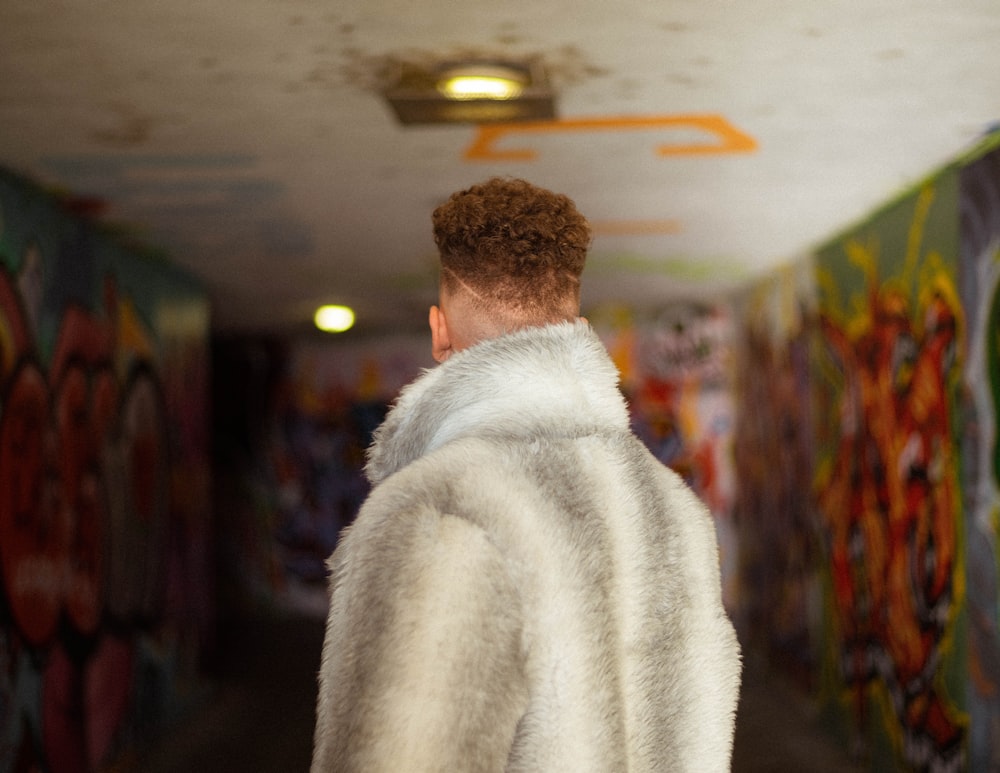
x=889, y=487
x=916, y=231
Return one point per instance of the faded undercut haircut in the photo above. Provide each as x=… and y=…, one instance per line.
x=517, y=249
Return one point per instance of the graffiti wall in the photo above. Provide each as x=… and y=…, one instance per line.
x=104, y=511
x=888, y=433
x=979, y=274
x=294, y=453
x=780, y=543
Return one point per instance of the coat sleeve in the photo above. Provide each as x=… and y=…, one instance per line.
x=710, y=684
x=421, y=666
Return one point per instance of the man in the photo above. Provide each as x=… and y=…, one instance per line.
x=526, y=588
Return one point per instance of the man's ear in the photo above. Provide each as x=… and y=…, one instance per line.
x=440, y=338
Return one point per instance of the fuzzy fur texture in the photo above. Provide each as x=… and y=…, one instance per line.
x=527, y=588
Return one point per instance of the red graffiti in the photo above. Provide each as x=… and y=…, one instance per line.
x=891, y=506
x=82, y=469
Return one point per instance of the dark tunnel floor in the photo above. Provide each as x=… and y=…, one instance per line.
x=260, y=715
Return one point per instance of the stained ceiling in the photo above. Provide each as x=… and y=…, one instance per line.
x=708, y=142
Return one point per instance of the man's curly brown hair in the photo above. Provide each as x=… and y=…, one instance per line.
x=519, y=248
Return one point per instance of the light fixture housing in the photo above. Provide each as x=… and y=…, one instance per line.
x=471, y=91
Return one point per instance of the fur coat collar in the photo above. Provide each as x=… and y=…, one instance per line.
x=555, y=380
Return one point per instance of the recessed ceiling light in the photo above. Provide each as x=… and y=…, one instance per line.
x=470, y=91
x=334, y=319
x=482, y=82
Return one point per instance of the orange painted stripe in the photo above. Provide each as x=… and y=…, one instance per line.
x=635, y=227
x=723, y=136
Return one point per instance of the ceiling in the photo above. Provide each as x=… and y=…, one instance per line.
x=708, y=142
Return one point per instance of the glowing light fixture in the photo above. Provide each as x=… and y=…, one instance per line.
x=470, y=91
x=482, y=82
x=334, y=319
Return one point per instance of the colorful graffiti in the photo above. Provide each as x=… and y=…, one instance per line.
x=86, y=496
x=295, y=478
x=887, y=475
x=676, y=374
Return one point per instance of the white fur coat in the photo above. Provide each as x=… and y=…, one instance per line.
x=527, y=588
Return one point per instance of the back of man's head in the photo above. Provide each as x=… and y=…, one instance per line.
x=515, y=250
